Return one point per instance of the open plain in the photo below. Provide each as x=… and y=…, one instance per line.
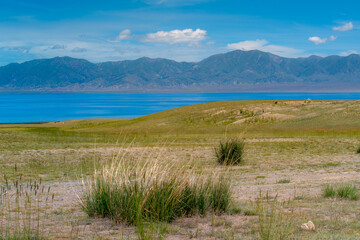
x=293, y=150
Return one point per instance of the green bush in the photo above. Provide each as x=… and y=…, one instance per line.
x=153, y=192
x=358, y=150
x=230, y=152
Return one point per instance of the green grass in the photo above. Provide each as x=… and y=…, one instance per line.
x=346, y=191
x=282, y=181
x=230, y=152
x=329, y=191
x=256, y=118
x=24, y=235
x=154, y=192
x=38, y=155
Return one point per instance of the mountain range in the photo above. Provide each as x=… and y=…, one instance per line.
x=227, y=72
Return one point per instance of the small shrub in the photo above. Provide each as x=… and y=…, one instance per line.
x=230, y=152
x=348, y=191
x=329, y=191
x=358, y=150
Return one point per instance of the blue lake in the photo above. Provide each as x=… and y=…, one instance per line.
x=40, y=107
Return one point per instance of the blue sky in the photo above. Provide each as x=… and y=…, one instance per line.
x=183, y=30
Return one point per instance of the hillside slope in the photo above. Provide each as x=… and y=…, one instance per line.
x=255, y=118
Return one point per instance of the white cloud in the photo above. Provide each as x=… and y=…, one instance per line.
x=347, y=53
x=123, y=35
x=248, y=45
x=346, y=27
x=319, y=40
x=177, y=36
x=263, y=45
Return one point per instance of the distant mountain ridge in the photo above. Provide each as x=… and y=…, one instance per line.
x=232, y=71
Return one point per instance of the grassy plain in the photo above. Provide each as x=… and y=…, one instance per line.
x=293, y=151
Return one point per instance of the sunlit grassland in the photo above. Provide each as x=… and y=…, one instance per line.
x=286, y=144
x=58, y=150
x=253, y=118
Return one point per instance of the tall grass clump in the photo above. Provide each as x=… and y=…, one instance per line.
x=230, y=152
x=347, y=191
x=152, y=191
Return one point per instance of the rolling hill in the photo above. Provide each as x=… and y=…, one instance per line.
x=240, y=118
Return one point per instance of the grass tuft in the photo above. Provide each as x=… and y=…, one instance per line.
x=153, y=192
x=358, y=150
x=329, y=191
x=230, y=152
x=283, y=181
x=347, y=191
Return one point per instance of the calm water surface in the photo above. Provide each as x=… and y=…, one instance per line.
x=35, y=107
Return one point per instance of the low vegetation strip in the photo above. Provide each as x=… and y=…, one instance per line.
x=153, y=191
